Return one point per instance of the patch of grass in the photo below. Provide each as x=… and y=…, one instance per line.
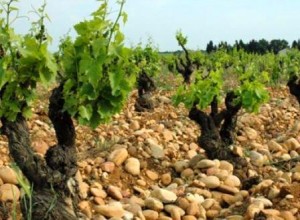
x=101, y=145
x=27, y=198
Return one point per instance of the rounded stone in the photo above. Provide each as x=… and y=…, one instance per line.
x=211, y=182
x=133, y=166
x=9, y=192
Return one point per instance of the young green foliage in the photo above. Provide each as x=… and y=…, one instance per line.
x=97, y=72
x=24, y=62
x=181, y=39
x=249, y=83
x=147, y=59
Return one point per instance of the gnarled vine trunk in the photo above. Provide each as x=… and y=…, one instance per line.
x=185, y=69
x=217, y=129
x=145, y=87
x=53, y=195
x=294, y=87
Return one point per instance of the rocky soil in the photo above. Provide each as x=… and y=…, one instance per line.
x=149, y=166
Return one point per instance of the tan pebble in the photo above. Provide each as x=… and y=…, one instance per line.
x=208, y=203
x=189, y=217
x=266, y=202
x=141, y=182
x=175, y=214
x=132, y=166
x=229, y=199
x=191, y=154
x=88, y=169
x=211, y=182
x=244, y=193
x=83, y=189
x=205, y=193
x=222, y=174
x=164, y=195
x=152, y=175
x=287, y=176
x=9, y=192
x=85, y=208
x=251, y=133
x=205, y=163
x=183, y=203
x=212, y=171
x=294, y=211
x=241, y=139
x=232, y=181
x=40, y=147
x=170, y=208
x=291, y=144
x=238, y=150
x=225, y=165
x=134, y=125
x=114, y=192
x=217, y=196
x=212, y=213
x=166, y=179
x=163, y=217
x=252, y=210
x=263, y=185
x=274, y=146
x=108, y=167
x=83, y=204
x=150, y=214
x=98, y=193
x=296, y=176
x=118, y=156
x=235, y=217
x=193, y=146
x=287, y=215
x=181, y=165
x=8, y=175
x=187, y=173
x=154, y=204
x=193, y=209
x=99, y=201
x=168, y=135
x=227, y=189
x=289, y=196
x=271, y=212
x=257, y=159
x=111, y=210
x=173, y=115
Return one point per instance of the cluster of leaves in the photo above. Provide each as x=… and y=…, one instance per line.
x=288, y=64
x=181, y=39
x=147, y=59
x=24, y=61
x=97, y=71
x=249, y=82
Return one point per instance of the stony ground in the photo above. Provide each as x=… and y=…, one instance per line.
x=148, y=165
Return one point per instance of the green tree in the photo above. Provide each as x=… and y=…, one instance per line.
x=210, y=47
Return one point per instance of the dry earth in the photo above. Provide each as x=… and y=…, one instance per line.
x=148, y=165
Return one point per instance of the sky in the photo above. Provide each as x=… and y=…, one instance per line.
x=200, y=20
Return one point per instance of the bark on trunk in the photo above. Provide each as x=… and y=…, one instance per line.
x=185, y=68
x=294, y=87
x=145, y=87
x=53, y=195
x=217, y=130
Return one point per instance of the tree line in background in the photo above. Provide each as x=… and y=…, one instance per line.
x=261, y=46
